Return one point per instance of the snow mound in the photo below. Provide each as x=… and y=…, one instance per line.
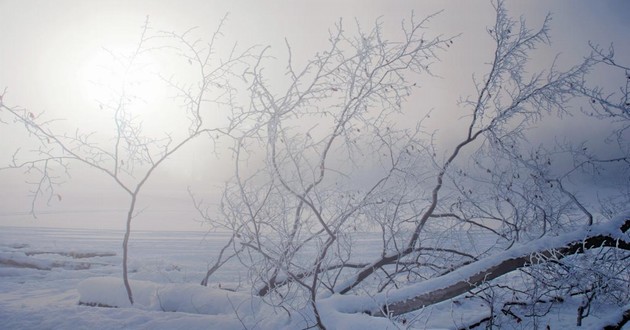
x=168, y=297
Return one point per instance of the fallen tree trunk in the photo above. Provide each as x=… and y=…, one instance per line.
x=538, y=251
x=463, y=279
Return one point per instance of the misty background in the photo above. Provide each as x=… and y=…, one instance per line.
x=51, y=54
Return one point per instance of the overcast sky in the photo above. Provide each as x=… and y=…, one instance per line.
x=47, y=49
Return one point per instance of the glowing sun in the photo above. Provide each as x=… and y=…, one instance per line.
x=114, y=75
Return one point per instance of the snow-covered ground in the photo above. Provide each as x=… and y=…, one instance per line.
x=40, y=278
x=45, y=272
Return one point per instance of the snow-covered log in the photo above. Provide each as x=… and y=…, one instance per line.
x=610, y=234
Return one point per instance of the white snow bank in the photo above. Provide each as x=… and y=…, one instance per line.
x=228, y=307
x=169, y=297
x=110, y=291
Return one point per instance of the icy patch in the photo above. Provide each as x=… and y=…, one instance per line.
x=74, y=254
x=21, y=261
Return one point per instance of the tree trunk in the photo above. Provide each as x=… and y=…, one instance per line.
x=126, y=248
x=465, y=278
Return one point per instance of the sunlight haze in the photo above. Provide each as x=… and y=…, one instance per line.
x=54, y=61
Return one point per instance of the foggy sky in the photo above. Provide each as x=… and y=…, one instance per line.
x=45, y=45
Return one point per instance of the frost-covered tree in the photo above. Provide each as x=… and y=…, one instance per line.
x=489, y=206
x=131, y=154
x=337, y=163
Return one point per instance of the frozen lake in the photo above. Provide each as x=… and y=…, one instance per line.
x=47, y=298
x=178, y=256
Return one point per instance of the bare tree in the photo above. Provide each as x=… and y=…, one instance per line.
x=131, y=155
x=336, y=162
x=330, y=155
